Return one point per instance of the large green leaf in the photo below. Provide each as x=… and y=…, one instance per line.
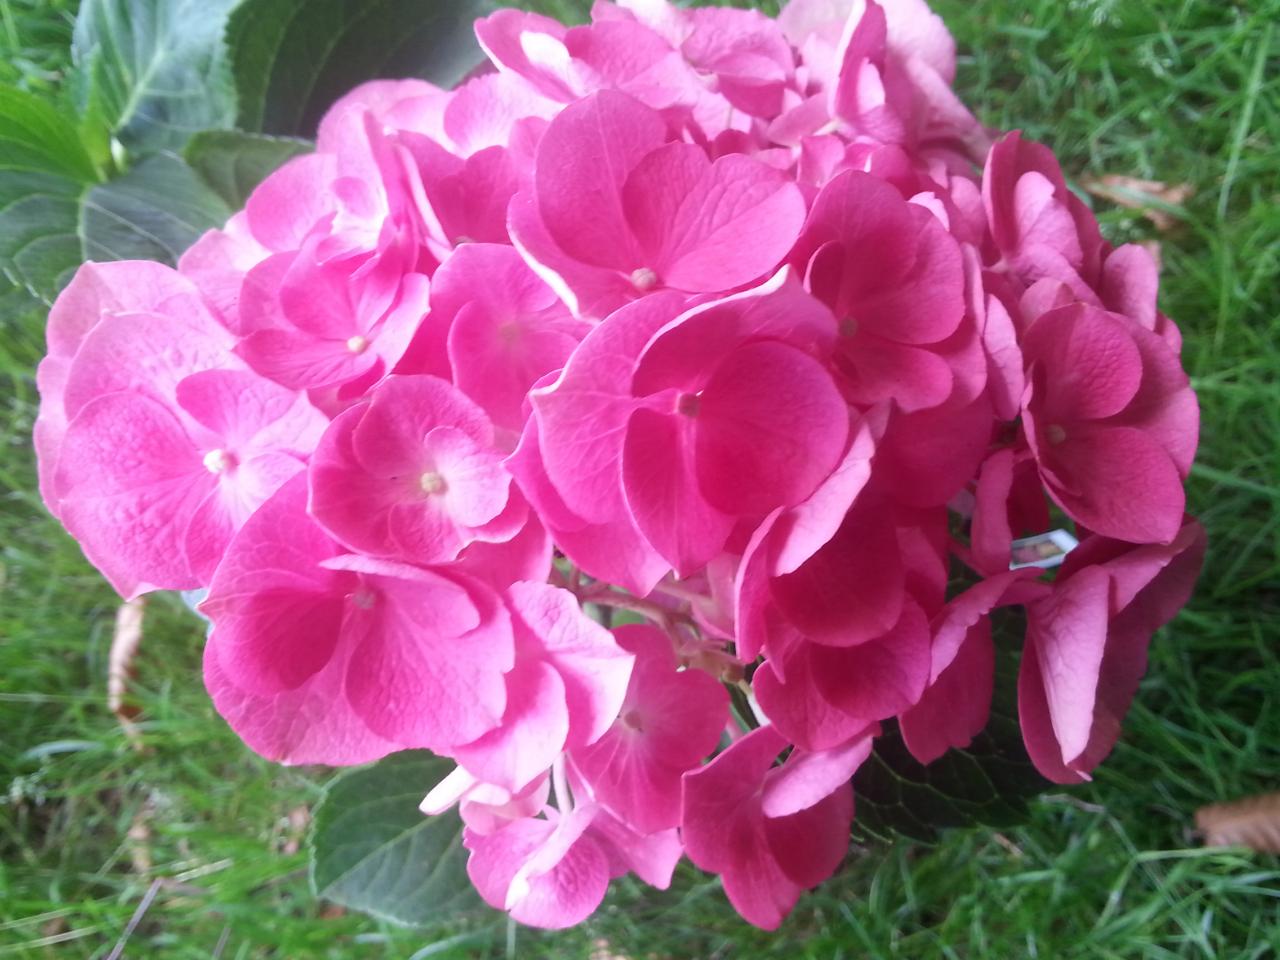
x=56, y=211
x=987, y=783
x=293, y=58
x=153, y=212
x=233, y=163
x=372, y=850
x=153, y=71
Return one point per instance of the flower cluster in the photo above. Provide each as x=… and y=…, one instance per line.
x=737, y=335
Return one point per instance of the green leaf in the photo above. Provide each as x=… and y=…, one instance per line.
x=233, y=163
x=988, y=783
x=291, y=59
x=55, y=213
x=372, y=850
x=155, y=70
x=35, y=138
x=153, y=212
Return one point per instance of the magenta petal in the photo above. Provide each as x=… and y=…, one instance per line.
x=955, y=707
x=1069, y=632
x=401, y=413
x=808, y=845
x=1092, y=364
x=1123, y=484
x=663, y=494
x=887, y=264
x=714, y=793
x=928, y=456
x=736, y=225
x=300, y=361
x=653, y=194
x=543, y=879
x=582, y=417
x=668, y=722
x=312, y=723
x=582, y=162
x=990, y=535
x=408, y=678
x=880, y=678
x=770, y=427
x=147, y=353
x=805, y=528
x=797, y=708
x=851, y=590
x=285, y=207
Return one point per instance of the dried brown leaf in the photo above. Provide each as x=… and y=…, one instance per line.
x=1149, y=197
x=124, y=647
x=139, y=840
x=603, y=950
x=1153, y=247
x=1253, y=822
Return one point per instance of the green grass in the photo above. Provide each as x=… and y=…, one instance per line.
x=1183, y=91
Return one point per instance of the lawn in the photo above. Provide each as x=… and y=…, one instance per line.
x=206, y=836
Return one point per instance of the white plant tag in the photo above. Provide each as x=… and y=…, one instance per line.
x=1044, y=550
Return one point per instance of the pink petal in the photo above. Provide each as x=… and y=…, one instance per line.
x=805, y=528
x=1092, y=366
x=532, y=731
x=289, y=204
x=582, y=163
x=129, y=480
x=726, y=228
x=1069, y=632
x=880, y=678
x=582, y=417
x=1122, y=483
x=770, y=427
x=794, y=705
x=808, y=777
x=659, y=476
x=955, y=707
x=407, y=678
x=852, y=589
x=615, y=552
x=595, y=670
x=893, y=270
x=312, y=723
x=929, y=455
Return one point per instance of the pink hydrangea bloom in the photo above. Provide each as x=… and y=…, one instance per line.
x=412, y=474
x=739, y=326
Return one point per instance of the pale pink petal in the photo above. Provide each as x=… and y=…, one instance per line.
x=532, y=732
x=594, y=669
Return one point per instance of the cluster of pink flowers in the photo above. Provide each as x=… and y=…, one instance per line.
x=740, y=327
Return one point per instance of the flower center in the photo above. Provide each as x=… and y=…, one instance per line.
x=357, y=344
x=363, y=598
x=219, y=461
x=633, y=721
x=848, y=327
x=644, y=279
x=1055, y=433
x=688, y=404
x=432, y=483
